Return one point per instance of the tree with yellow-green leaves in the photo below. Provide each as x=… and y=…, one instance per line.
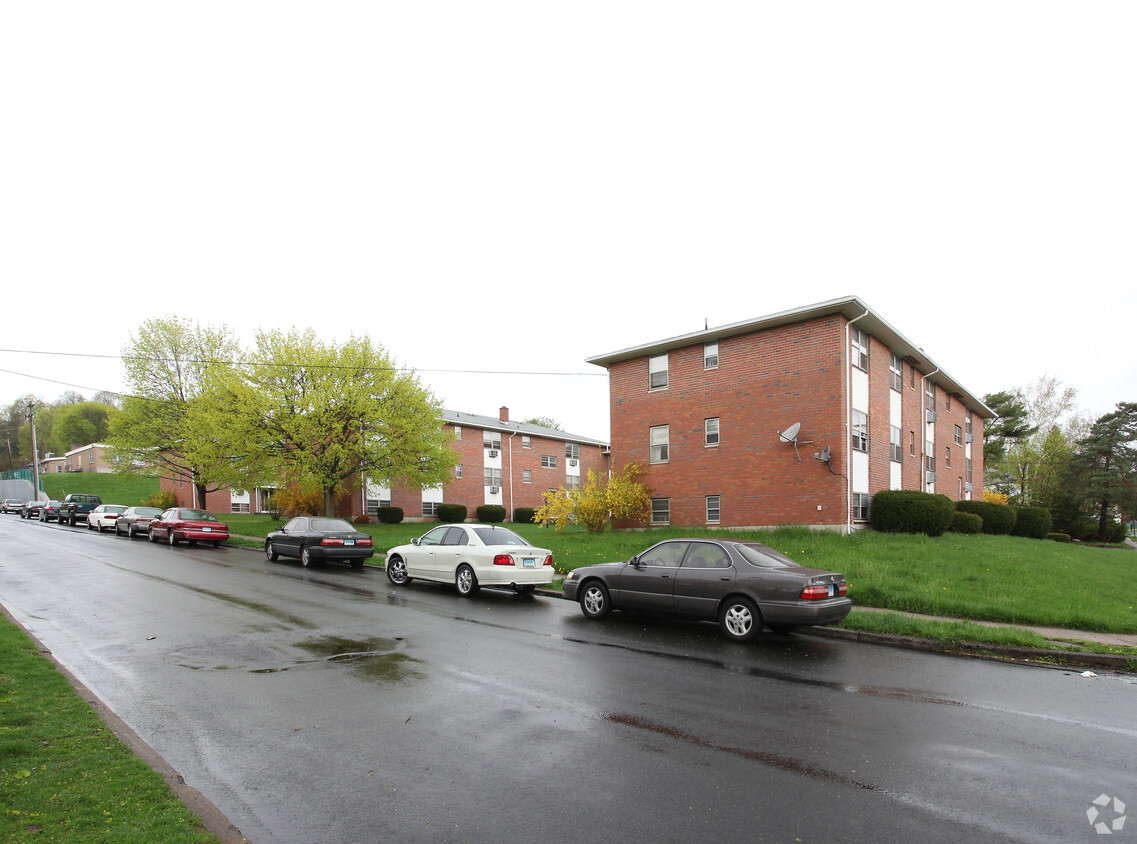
x=314, y=414
x=598, y=501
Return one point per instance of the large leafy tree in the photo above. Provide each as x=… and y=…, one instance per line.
x=80, y=424
x=1011, y=424
x=1104, y=465
x=310, y=413
x=599, y=501
x=170, y=366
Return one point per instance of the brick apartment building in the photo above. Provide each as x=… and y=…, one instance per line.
x=499, y=462
x=712, y=416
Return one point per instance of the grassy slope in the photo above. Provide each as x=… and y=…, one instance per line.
x=113, y=489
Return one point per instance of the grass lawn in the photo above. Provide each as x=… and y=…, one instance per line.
x=113, y=489
x=64, y=775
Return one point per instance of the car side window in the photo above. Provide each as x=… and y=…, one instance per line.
x=292, y=525
x=434, y=537
x=456, y=536
x=703, y=555
x=666, y=554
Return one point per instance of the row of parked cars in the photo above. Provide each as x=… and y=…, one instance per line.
x=177, y=524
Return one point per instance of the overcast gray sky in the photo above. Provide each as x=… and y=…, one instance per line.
x=489, y=188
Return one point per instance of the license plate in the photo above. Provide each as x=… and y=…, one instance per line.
x=528, y=563
x=207, y=530
x=832, y=590
x=349, y=542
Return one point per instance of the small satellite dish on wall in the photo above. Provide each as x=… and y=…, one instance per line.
x=790, y=436
x=826, y=457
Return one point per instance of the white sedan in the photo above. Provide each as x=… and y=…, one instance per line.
x=104, y=517
x=471, y=556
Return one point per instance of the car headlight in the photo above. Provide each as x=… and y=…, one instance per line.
x=571, y=575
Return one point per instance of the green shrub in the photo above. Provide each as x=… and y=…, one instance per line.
x=1032, y=522
x=524, y=515
x=452, y=513
x=491, y=513
x=909, y=511
x=390, y=515
x=1059, y=537
x=1115, y=532
x=966, y=523
x=998, y=519
x=162, y=500
x=362, y=519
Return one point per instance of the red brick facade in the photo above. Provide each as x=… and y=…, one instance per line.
x=767, y=375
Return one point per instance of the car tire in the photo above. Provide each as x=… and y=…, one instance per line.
x=739, y=619
x=89, y=525
x=397, y=571
x=216, y=543
x=270, y=552
x=305, y=557
x=524, y=588
x=594, y=600
x=466, y=582
x=171, y=538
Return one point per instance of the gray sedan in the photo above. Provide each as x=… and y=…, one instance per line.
x=135, y=521
x=741, y=585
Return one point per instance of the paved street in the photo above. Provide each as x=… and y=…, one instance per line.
x=328, y=705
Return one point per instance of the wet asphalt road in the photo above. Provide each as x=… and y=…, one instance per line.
x=328, y=705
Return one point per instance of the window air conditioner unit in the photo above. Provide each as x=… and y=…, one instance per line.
x=930, y=477
x=931, y=417
x=493, y=454
x=968, y=487
x=572, y=462
x=494, y=490
x=970, y=438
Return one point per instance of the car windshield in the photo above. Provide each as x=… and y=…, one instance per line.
x=498, y=536
x=330, y=525
x=198, y=516
x=762, y=555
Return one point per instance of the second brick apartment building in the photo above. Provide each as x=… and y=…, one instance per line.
x=797, y=417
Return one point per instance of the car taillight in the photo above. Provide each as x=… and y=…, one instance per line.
x=842, y=589
x=502, y=560
x=817, y=592
x=331, y=541
x=364, y=542
x=548, y=560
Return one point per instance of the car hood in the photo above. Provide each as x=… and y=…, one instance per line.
x=598, y=568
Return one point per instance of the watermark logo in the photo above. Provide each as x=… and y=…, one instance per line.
x=1106, y=815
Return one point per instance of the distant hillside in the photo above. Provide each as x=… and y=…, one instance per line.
x=113, y=489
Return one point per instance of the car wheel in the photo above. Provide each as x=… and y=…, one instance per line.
x=594, y=600
x=170, y=538
x=305, y=556
x=783, y=628
x=89, y=525
x=270, y=552
x=466, y=581
x=397, y=571
x=739, y=619
x=524, y=588
x=150, y=535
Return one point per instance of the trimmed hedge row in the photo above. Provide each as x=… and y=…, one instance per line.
x=909, y=511
x=966, y=523
x=452, y=513
x=491, y=513
x=1032, y=522
x=390, y=515
x=998, y=519
x=524, y=515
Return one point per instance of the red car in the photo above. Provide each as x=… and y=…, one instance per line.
x=185, y=523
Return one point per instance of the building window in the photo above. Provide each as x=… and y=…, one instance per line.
x=711, y=356
x=930, y=401
x=526, y=476
x=660, y=511
x=968, y=424
x=491, y=439
x=660, y=438
x=947, y=402
x=91, y=458
x=430, y=508
x=572, y=451
x=572, y=482
x=958, y=435
x=895, y=449
x=711, y=431
x=373, y=505
x=861, y=502
x=713, y=511
x=912, y=377
x=860, y=348
x=458, y=471
x=525, y=441
x=967, y=471
x=657, y=372
x=895, y=372
x=457, y=432
x=860, y=431
x=548, y=461
x=930, y=459
x=947, y=456
x=491, y=476
x=912, y=443
x=239, y=507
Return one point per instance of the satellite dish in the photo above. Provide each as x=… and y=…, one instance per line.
x=824, y=455
x=790, y=434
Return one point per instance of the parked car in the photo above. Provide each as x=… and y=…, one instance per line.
x=188, y=524
x=314, y=539
x=135, y=520
x=742, y=585
x=12, y=505
x=104, y=516
x=49, y=511
x=76, y=506
x=471, y=556
x=30, y=509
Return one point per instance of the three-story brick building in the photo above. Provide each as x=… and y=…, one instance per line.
x=794, y=418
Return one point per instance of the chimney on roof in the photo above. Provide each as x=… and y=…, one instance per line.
x=503, y=414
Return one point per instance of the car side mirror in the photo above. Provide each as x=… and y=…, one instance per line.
x=414, y=541
x=635, y=562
